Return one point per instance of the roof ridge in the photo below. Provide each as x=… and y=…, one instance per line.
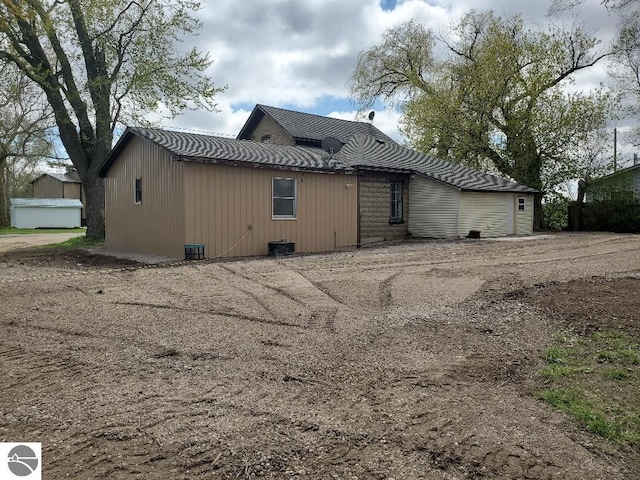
x=313, y=114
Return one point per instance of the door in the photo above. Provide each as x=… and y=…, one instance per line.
x=511, y=214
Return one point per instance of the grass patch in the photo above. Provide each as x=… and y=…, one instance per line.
x=31, y=231
x=595, y=379
x=72, y=243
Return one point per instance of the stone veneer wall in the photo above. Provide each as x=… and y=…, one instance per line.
x=375, y=207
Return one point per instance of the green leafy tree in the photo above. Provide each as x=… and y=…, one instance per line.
x=25, y=123
x=101, y=63
x=624, y=64
x=495, y=101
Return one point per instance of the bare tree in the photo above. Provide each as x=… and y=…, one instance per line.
x=25, y=128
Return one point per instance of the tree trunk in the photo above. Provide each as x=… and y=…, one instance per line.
x=538, y=216
x=94, y=205
x=4, y=207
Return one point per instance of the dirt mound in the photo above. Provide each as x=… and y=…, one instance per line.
x=590, y=305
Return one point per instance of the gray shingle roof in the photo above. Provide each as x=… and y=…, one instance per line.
x=369, y=153
x=205, y=148
x=306, y=126
x=361, y=151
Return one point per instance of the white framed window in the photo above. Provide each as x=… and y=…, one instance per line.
x=395, y=214
x=284, y=198
x=137, y=191
x=522, y=202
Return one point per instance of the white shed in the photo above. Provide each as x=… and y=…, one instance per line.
x=45, y=212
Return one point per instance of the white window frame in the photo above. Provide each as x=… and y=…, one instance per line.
x=522, y=204
x=135, y=191
x=294, y=198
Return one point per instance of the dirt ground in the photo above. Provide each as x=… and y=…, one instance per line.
x=408, y=361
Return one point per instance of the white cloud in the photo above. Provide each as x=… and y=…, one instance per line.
x=300, y=55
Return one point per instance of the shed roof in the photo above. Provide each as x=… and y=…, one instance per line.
x=366, y=152
x=62, y=177
x=46, y=202
x=309, y=127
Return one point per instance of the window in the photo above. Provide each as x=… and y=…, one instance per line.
x=396, y=203
x=521, y=204
x=284, y=198
x=138, y=191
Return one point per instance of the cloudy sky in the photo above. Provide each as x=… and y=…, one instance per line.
x=299, y=54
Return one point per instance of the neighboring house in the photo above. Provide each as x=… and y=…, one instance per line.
x=167, y=189
x=621, y=185
x=58, y=185
x=45, y=212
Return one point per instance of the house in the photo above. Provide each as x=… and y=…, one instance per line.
x=401, y=191
x=168, y=189
x=59, y=185
x=622, y=185
x=45, y=212
x=612, y=203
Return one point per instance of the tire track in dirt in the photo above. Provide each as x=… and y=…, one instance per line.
x=259, y=301
x=317, y=285
x=279, y=291
x=219, y=313
x=385, y=295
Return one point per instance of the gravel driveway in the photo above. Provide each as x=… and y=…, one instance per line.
x=410, y=361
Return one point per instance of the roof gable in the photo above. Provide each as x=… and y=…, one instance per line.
x=61, y=177
x=308, y=128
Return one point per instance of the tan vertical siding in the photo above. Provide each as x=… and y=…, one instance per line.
x=223, y=201
x=71, y=190
x=524, y=220
x=156, y=225
x=486, y=212
x=434, y=208
x=48, y=187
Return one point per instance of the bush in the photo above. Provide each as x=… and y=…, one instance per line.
x=555, y=213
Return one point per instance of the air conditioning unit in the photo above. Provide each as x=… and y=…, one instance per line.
x=281, y=247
